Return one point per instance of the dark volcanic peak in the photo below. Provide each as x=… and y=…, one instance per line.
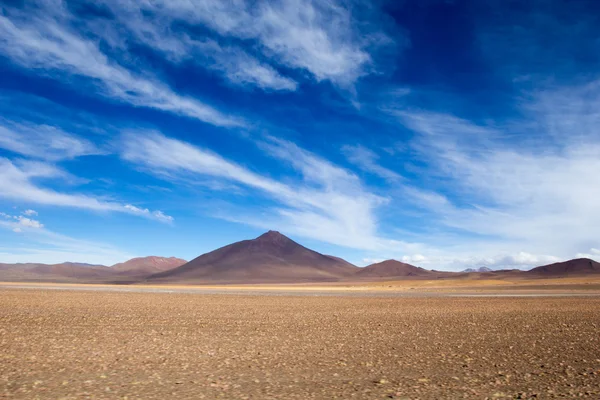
x=271, y=257
x=578, y=266
x=272, y=236
x=391, y=268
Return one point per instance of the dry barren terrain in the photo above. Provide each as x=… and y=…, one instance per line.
x=99, y=344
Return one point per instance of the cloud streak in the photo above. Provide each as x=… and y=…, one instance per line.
x=43, y=141
x=520, y=197
x=18, y=181
x=40, y=38
x=367, y=161
x=320, y=38
x=155, y=31
x=329, y=204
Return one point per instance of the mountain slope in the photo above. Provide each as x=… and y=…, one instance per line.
x=272, y=257
x=578, y=266
x=391, y=269
x=148, y=265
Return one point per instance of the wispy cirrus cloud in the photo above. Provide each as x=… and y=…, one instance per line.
x=329, y=204
x=150, y=26
x=321, y=38
x=41, y=37
x=43, y=141
x=19, y=181
x=240, y=68
x=528, y=199
x=367, y=160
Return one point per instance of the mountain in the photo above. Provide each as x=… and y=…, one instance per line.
x=128, y=271
x=578, y=266
x=64, y=272
x=480, y=269
x=272, y=257
x=391, y=269
x=148, y=265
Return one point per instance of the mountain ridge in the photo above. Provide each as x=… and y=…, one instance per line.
x=268, y=258
x=576, y=266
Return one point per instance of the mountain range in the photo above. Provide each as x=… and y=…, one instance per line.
x=270, y=258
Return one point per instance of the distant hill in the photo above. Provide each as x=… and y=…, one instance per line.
x=480, y=269
x=391, y=269
x=272, y=257
x=130, y=271
x=148, y=265
x=578, y=266
x=64, y=272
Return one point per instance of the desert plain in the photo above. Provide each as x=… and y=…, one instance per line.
x=103, y=342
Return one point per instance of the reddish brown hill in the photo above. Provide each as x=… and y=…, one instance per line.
x=64, y=272
x=271, y=257
x=148, y=265
x=391, y=269
x=578, y=266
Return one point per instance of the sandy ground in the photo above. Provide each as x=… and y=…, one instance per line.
x=74, y=344
x=563, y=287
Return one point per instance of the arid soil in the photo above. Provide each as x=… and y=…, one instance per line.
x=115, y=345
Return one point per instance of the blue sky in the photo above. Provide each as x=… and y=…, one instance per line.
x=447, y=134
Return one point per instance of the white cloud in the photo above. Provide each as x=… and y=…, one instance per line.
x=17, y=181
x=520, y=198
x=242, y=69
x=366, y=160
x=43, y=141
x=44, y=246
x=318, y=37
x=593, y=254
x=369, y=261
x=154, y=29
x=329, y=204
x=458, y=261
x=415, y=258
x=30, y=212
x=158, y=215
x=19, y=222
x=29, y=223
x=41, y=38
